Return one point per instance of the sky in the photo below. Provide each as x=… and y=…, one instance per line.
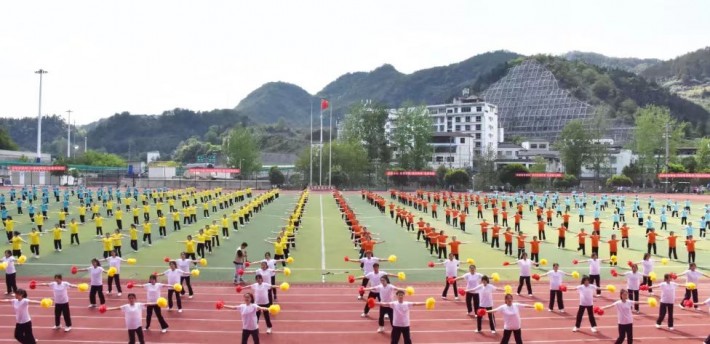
x=145, y=57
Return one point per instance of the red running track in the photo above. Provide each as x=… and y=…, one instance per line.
x=331, y=314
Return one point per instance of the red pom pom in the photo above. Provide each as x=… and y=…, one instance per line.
x=371, y=303
x=33, y=284
x=451, y=280
x=347, y=259
x=361, y=290
x=688, y=303
x=351, y=279
x=219, y=304
x=74, y=270
x=643, y=287
x=239, y=289
x=130, y=285
x=563, y=288
x=575, y=262
x=482, y=312
x=166, y=259
x=630, y=263
x=614, y=273
x=102, y=309
x=506, y=263
x=600, y=312
x=240, y=272
x=246, y=264
x=155, y=273
x=431, y=264
x=536, y=277
x=462, y=292
x=674, y=276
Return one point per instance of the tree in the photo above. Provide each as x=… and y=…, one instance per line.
x=411, y=136
x=6, y=141
x=567, y=182
x=539, y=166
x=690, y=164
x=441, y=175
x=348, y=157
x=276, y=177
x=365, y=125
x=485, y=170
x=242, y=151
x=649, y=139
x=574, y=144
x=597, y=154
x=188, y=150
x=508, y=176
x=633, y=172
x=619, y=180
x=458, y=178
x=702, y=155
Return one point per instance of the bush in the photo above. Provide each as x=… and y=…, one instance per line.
x=458, y=178
x=619, y=180
x=567, y=182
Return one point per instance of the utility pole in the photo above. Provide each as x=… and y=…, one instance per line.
x=69, y=133
x=39, y=116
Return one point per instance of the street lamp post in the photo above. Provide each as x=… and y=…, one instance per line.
x=69, y=133
x=241, y=177
x=39, y=116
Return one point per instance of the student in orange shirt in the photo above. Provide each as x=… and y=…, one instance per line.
x=427, y=230
x=433, y=240
x=613, y=248
x=434, y=214
x=462, y=221
x=538, y=213
x=624, y=235
x=521, y=244
x=672, y=238
x=484, y=231
x=535, y=250
x=565, y=220
x=690, y=247
x=441, y=239
x=541, y=230
x=447, y=213
x=596, y=226
x=594, y=238
x=582, y=236
x=420, y=231
x=548, y=213
x=508, y=241
x=454, y=217
x=504, y=217
x=561, y=231
x=494, y=236
x=392, y=209
x=455, y=246
x=518, y=216
x=495, y=215
x=651, y=235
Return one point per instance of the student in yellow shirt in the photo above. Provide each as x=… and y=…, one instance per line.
x=134, y=212
x=133, y=234
x=9, y=228
x=201, y=239
x=94, y=211
x=109, y=208
x=193, y=214
x=147, y=233
x=146, y=212
x=162, y=222
x=225, y=227
x=117, y=239
x=189, y=247
x=17, y=244
x=119, y=218
x=39, y=222
x=62, y=219
x=206, y=210
x=99, y=225
x=214, y=234
x=57, y=234
x=34, y=241
x=82, y=213
x=74, y=231
x=107, y=243
x=176, y=220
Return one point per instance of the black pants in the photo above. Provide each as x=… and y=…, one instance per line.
x=647, y=281
x=652, y=246
x=172, y=292
x=590, y=313
x=516, y=333
x=634, y=296
x=596, y=280
x=472, y=306
x=371, y=295
x=254, y=334
x=691, y=257
x=11, y=282
x=23, y=333
x=491, y=320
x=672, y=253
x=561, y=242
x=666, y=307
x=62, y=309
x=186, y=280
x=556, y=294
x=626, y=331
x=148, y=237
x=57, y=244
x=115, y=279
x=162, y=231
x=158, y=314
x=134, y=245
x=525, y=279
x=385, y=310
x=509, y=248
x=34, y=249
x=495, y=242
x=132, y=334
x=96, y=289
x=267, y=317
x=446, y=288
x=582, y=248
x=399, y=331
x=690, y=293
x=74, y=237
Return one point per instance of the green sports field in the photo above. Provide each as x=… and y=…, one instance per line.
x=323, y=240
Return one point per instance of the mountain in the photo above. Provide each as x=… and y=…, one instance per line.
x=686, y=75
x=278, y=100
x=630, y=64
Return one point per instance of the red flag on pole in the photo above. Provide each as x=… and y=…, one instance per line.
x=324, y=104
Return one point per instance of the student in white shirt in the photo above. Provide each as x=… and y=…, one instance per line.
x=152, y=295
x=451, y=267
x=61, y=301
x=271, y=265
x=261, y=298
x=691, y=276
x=485, y=291
x=647, y=264
x=374, y=280
x=386, y=291
x=96, y=282
x=624, y=317
x=114, y=261
x=133, y=315
x=525, y=264
x=472, y=279
x=173, y=274
x=366, y=264
x=512, y=324
x=184, y=264
x=400, y=318
x=556, y=276
x=586, y=302
x=250, y=322
x=633, y=283
x=23, y=322
x=595, y=270
x=667, y=301
x=10, y=273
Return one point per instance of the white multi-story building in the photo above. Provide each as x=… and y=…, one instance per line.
x=463, y=129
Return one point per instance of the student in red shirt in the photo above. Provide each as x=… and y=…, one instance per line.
x=521, y=244
x=613, y=248
x=561, y=231
x=517, y=216
x=690, y=246
x=582, y=236
x=441, y=239
x=455, y=246
x=434, y=206
x=651, y=235
x=508, y=241
x=535, y=250
x=504, y=217
x=624, y=235
x=549, y=216
x=495, y=215
x=462, y=221
x=541, y=230
x=594, y=238
x=565, y=220
x=672, y=238
x=494, y=236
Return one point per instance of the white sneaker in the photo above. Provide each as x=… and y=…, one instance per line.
x=493, y=332
x=180, y=310
x=363, y=315
x=189, y=297
x=670, y=329
x=164, y=330
x=456, y=298
x=443, y=297
x=380, y=329
x=387, y=316
x=119, y=294
x=562, y=311
x=92, y=306
x=67, y=329
x=477, y=331
x=268, y=330
x=359, y=297
x=658, y=326
x=549, y=310
x=594, y=329
x=56, y=327
x=575, y=329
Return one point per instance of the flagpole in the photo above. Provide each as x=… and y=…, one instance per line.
x=330, y=145
x=310, y=153
x=320, y=149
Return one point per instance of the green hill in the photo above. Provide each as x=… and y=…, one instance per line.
x=278, y=100
x=629, y=64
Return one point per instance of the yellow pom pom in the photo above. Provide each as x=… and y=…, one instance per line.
x=274, y=309
x=611, y=288
x=652, y=302
x=664, y=261
x=111, y=272
x=429, y=303
x=613, y=259
x=508, y=289
x=401, y=276
x=22, y=259
x=289, y=260
x=575, y=274
x=538, y=306
x=287, y=272
x=177, y=287
x=392, y=258
x=195, y=272
x=470, y=261
x=3, y=266
x=690, y=286
x=409, y=291
x=203, y=262
x=652, y=276
x=82, y=287
x=284, y=286
x=131, y=261
x=46, y=303
x=162, y=302
x=543, y=261
x=495, y=276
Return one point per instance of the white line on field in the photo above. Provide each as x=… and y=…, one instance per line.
x=322, y=240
